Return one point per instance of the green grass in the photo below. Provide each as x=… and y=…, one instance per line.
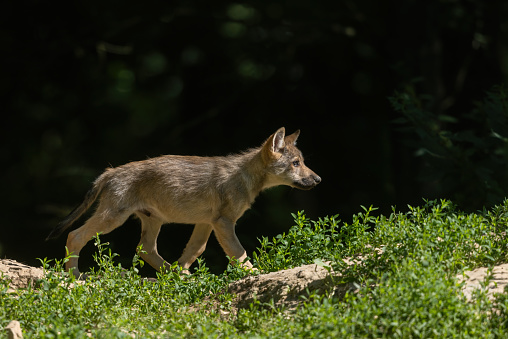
x=406, y=278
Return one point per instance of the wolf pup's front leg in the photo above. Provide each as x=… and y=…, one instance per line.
x=195, y=246
x=225, y=232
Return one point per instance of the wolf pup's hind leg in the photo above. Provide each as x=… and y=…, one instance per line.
x=150, y=228
x=100, y=222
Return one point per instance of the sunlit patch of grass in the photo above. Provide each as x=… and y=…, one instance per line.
x=404, y=266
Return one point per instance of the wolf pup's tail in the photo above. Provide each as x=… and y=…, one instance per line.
x=90, y=198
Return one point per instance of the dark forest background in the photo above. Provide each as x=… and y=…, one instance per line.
x=396, y=101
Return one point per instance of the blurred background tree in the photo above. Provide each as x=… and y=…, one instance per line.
x=94, y=84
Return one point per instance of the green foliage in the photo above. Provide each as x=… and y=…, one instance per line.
x=404, y=266
x=304, y=242
x=308, y=239
x=464, y=157
x=416, y=300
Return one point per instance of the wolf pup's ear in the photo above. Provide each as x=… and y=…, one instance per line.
x=291, y=139
x=274, y=146
x=277, y=141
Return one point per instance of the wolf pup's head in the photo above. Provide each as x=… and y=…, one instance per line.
x=284, y=162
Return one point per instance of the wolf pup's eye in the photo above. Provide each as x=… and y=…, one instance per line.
x=296, y=163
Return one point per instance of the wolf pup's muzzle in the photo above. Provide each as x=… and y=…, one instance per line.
x=309, y=182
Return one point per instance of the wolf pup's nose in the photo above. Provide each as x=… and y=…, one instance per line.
x=317, y=179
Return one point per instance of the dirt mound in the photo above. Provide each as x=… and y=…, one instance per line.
x=286, y=287
x=474, y=279
x=18, y=274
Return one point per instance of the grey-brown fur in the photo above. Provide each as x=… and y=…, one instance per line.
x=210, y=192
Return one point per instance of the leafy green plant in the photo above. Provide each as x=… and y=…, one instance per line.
x=303, y=243
x=404, y=266
x=464, y=157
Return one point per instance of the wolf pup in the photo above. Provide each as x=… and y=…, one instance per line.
x=210, y=192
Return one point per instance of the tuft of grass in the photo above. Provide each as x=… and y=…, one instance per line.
x=404, y=265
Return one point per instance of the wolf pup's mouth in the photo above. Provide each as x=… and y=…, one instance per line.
x=307, y=183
